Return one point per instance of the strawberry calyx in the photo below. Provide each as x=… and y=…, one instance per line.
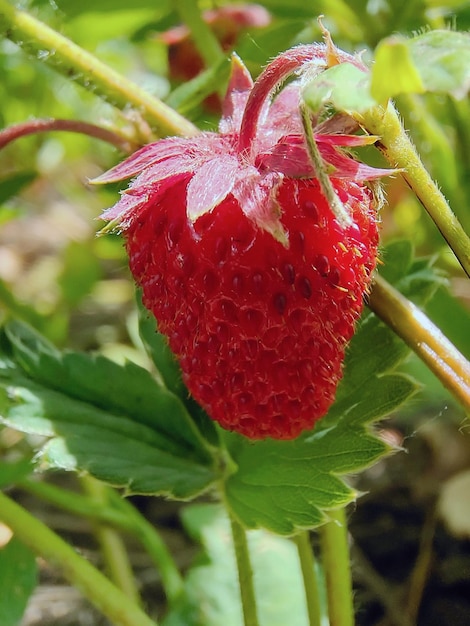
x=261, y=141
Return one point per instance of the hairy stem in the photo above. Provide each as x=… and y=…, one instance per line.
x=423, y=337
x=16, y=131
x=400, y=153
x=77, y=64
x=105, y=596
x=307, y=565
x=245, y=574
x=336, y=564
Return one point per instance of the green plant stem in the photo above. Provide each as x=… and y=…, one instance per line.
x=337, y=568
x=122, y=515
x=172, y=581
x=245, y=574
x=400, y=152
x=112, y=546
x=105, y=596
x=309, y=576
x=204, y=39
x=423, y=337
x=321, y=170
x=77, y=64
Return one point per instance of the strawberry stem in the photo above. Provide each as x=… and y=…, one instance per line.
x=16, y=131
x=77, y=64
x=423, y=337
x=105, y=596
x=336, y=564
x=311, y=57
x=309, y=575
x=401, y=153
x=245, y=573
x=321, y=173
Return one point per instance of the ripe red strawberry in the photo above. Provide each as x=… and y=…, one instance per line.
x=254, y=280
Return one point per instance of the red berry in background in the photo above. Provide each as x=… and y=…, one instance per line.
x=250, y=274
x=227, y=23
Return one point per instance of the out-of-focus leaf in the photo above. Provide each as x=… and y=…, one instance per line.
x=212, y=595
x=10, y=473
x=72, y=8
x=452, y=317
x=12, y=185
x=436, y=61
x=18, y=578
x=394, y=70
x=80, y=271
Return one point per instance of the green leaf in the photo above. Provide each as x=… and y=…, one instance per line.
x=344, y=86
x=11, y=185
x=18, y=578
x=80, y=271
x=436, y=61
x=111, y=447
x=116, y=422
x=443, y=61
x=159, y=351
x=128, y=389
x=212, y=593
x=11, y=472
x=393, y=59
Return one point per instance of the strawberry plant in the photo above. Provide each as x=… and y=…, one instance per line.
x=275, y=313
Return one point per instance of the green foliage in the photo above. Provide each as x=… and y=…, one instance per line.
x=437, y=61
x=18, y=578
x=123, y=426
x=139, y=429
x=113, y=421
x=212, y=596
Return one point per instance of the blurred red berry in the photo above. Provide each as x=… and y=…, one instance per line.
x=227, y=23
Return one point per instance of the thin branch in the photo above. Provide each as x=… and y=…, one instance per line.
x=401, y=153
x=337, y=568
x=105, y=596
x=16, y=131
x=77, y=64
x=423, y=337
x=245, y=574
x=309, y=576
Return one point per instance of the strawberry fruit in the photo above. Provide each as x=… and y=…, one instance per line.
x=250, y=274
